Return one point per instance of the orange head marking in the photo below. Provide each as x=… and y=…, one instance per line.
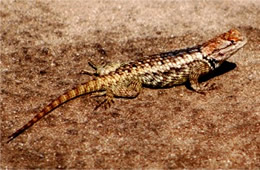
x=223, y=46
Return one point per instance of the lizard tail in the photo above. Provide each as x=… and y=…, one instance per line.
x=91, y=86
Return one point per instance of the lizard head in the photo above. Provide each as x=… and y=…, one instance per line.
x=223, y=46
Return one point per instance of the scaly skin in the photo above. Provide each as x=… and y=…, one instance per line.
x=160, y=70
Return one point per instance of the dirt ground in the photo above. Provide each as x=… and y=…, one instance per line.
x=46, y=44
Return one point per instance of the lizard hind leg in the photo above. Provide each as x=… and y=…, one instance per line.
x=127, y=88
x=109, y=99
x=95, y=67
x=124, y=89
x=101, y=69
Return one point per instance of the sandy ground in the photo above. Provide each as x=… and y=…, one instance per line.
x=45, y=45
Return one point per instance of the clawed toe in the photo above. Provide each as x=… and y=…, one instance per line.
x=105, y=104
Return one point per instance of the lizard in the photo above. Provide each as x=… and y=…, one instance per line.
x=158, y=71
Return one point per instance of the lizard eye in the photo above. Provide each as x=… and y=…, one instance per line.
x=232, y=41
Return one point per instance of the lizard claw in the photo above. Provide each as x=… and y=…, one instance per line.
x=106, y=104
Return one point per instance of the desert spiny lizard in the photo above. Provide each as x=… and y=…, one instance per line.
x=160, y=70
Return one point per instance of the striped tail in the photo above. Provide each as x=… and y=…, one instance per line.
x=91, y=86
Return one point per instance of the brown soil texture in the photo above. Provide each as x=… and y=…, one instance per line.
x=46, y=44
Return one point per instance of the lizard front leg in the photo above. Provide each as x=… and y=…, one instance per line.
x=198, y=69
